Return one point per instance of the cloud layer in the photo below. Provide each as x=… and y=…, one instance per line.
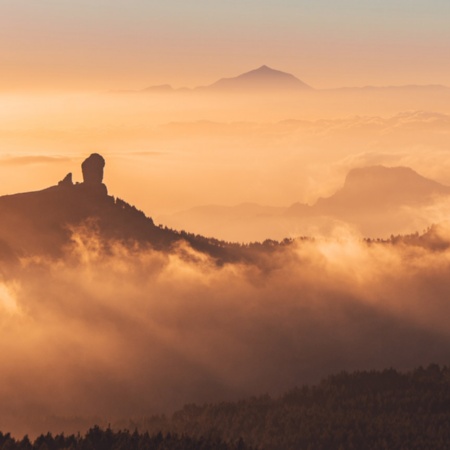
x=111, y=332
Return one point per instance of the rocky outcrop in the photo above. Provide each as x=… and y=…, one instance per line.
x=66, y=181
x=92, y=169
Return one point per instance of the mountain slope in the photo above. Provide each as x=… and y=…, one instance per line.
x=43, y=222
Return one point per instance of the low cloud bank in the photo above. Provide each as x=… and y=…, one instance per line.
x=111, y=332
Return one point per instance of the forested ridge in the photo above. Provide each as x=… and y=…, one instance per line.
x=367, y=410
x=107, y=439
x=352, y=411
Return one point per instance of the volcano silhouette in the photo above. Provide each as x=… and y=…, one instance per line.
x=263, y=78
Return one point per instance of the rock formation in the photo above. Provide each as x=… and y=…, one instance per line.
x=92, y=168
x=67, y=181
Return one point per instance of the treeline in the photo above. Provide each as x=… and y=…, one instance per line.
x=120, y=220
x=367, y=410
x=358, y=411
x=99, y=439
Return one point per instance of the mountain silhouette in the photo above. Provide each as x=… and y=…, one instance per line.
x=267, y=79
x=42, y=222
x=376, y=188
x=376, y=200
x=260, y=79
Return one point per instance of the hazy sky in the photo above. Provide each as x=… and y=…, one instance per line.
x=107, y=44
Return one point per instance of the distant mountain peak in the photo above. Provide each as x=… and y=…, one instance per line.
x=386, y=176
x=379, y=186
x=265, y=68
x=266, y=71
x=262, y=78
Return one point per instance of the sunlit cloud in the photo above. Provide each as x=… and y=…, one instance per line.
x=131, y=331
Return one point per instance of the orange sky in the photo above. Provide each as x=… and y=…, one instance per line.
x=119, y=44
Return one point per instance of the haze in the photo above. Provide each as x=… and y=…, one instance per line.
x=171, y=152
x=98, y=327
x=119, y=44
x=109, y=331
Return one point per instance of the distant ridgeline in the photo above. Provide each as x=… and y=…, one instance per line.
x=358, y=411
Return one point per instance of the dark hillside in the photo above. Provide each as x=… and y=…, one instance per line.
x=42, y=222
x=361, y=411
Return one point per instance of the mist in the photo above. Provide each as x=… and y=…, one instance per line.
x=109, y=331
x=170, y=152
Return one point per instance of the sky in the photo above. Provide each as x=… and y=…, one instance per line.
x=109, y=44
